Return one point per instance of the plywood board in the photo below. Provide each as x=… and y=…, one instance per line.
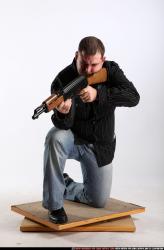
x=124, y=224
x=78, y=214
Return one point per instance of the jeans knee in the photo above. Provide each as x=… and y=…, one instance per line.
x=57, y=136
x=59, y=141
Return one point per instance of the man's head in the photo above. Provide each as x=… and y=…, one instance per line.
x=90, y=55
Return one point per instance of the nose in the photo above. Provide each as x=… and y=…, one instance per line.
x=88, y=69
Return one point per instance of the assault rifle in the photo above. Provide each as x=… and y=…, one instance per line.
x=69, y=90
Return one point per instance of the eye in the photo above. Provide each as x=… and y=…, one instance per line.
x=83, y=63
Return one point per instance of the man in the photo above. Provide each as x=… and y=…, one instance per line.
x=84, y=130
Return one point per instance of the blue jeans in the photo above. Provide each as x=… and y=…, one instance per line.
x=96, y=186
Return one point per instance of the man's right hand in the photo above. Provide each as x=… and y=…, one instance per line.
x=65, y=106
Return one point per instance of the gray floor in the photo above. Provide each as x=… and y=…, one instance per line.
x=149, y=225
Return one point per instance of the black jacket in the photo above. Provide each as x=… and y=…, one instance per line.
x=93, y=123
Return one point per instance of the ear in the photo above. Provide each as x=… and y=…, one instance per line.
x=76, y=55
x=104, y=58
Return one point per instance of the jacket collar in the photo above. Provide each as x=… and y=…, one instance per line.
x=74, y=66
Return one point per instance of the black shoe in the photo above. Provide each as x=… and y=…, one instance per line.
x=67, y=179
x=58, y=216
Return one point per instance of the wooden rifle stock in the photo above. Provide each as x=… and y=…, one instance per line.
x=98, y=77
x=55, y=99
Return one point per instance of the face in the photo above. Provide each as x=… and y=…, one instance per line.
x=88, y=64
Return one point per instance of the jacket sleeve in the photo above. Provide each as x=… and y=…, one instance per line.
x=62, y=121
x=121, y=91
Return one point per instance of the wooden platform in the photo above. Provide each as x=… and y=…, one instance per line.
x=124, y=224
x=78, y=214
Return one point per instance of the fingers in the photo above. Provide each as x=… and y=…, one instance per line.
x=88, y=94
x=64, y=107
x=85, y=97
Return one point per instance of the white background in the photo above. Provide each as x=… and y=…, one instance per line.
x=37, y=39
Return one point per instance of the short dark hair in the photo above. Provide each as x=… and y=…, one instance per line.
x=90, y=45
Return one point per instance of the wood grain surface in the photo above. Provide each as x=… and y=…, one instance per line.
x=78, y=214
